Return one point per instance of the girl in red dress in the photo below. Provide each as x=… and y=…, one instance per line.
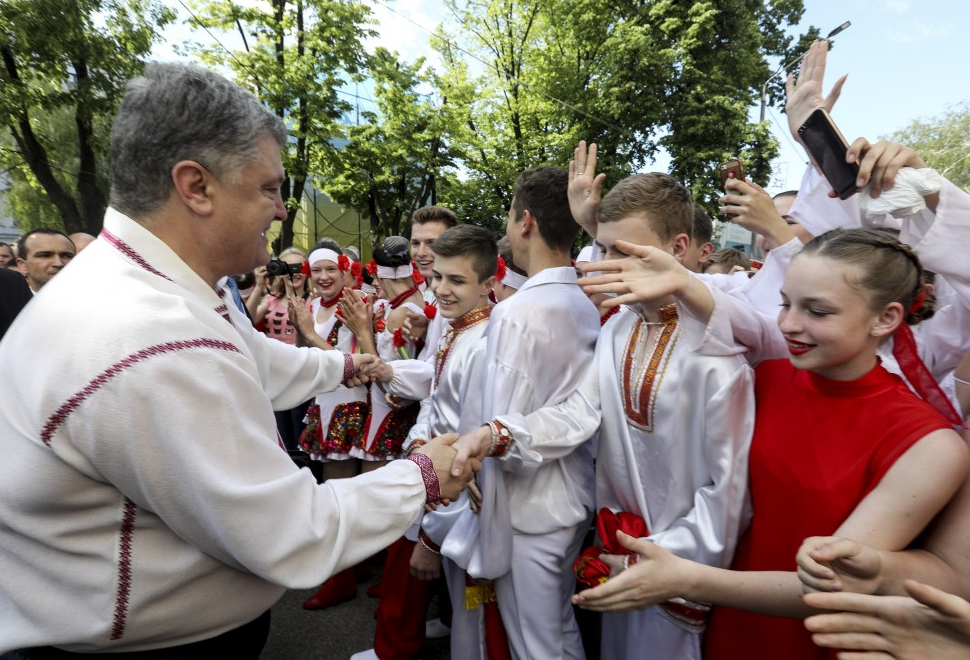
x=841, y=446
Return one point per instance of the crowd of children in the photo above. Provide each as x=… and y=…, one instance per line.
x=735, y=438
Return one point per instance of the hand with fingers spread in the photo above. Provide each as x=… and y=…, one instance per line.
x=585, y=187
x=803, y=95
x=832, y=563
x=931, y=624
x=753, y=209
x=652, y=275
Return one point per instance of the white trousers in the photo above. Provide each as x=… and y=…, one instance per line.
x=534, y=597
x=646, y=635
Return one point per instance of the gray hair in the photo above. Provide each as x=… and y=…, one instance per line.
x=175, y=112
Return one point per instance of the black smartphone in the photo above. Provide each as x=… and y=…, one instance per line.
x=828, y=148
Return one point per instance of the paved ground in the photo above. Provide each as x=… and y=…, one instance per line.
x=339, y=632
x=332, y=634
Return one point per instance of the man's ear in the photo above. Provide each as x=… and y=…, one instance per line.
x=529, y=223
x=488, y=285
x=193, y=185
x=679, y=245
x=706, y=251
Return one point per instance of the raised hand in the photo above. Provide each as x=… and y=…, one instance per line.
x=585, y=187
x=299, y=315
x=753, y=209
x=803, y=95
x=879, y=163
x=655, y=274
x=357, y=314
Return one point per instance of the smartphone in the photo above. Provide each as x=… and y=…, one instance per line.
x=732, y=169
x=827, y=147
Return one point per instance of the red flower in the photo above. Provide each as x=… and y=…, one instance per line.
x=430, y=311
x=399, y=339
x=343, y=263
x=500, y=269
x=356, y=269
x=416, y=275
x=607, y=523
x=372, y=268
x=305, y=268
x=590, y=569
x=380, y=325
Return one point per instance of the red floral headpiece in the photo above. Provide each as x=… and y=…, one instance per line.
x=500, y=269
x=357, y=271
x=305, y=268
x=372, y=268
x=343, y=263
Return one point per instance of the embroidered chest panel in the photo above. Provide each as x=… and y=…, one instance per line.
x=643, y=370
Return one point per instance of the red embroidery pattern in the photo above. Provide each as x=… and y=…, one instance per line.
x=130, y=252
x=460, y=324
x=124, y=570
x=638, y=397
x=431, y=484
x=69, y=406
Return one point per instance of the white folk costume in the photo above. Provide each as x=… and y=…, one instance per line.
x=528, y=533
x=674, y=432
x=388, y=427
x=454, y=407
x=144, y=499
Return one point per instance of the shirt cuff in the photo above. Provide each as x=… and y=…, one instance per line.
x=348, y=367
x=431, y=485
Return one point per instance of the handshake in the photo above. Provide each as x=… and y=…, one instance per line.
x=454, y=473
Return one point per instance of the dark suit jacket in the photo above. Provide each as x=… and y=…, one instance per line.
x=14, y=295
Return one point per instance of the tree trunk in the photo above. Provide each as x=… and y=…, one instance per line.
x=93, y=202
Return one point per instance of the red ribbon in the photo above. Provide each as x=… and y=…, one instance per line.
x=907, y=355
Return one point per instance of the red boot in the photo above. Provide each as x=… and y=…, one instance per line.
x=338, y=589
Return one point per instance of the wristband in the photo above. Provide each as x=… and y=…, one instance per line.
x=501, y=439
x=416, y=444
x=348, y=367
x=431, y=484
x=426, y=541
